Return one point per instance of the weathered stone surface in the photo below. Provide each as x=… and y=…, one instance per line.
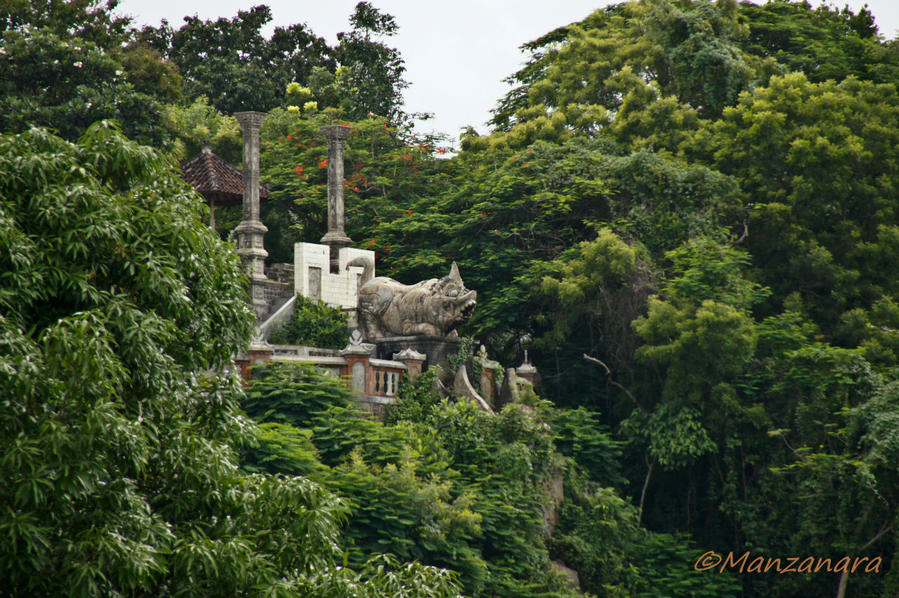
x=462, y=388
x=573, y=579
x=250, y=231
x=436, y=349
x=508, y=393
x=432, y=307
x=335, y=237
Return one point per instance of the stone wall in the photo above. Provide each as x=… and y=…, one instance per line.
x=313, y=277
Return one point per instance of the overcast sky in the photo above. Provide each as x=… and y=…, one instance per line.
x=457, y=53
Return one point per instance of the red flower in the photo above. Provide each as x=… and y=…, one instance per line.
x=441, y=150
x=298, y=169
x=289, y=138
x=323, y=163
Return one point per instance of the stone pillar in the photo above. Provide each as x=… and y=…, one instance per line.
x=250, y=231
x=413, y=361
x=359, y=353
x=336, y=238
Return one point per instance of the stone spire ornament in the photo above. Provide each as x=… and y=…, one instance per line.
x=335, y=238
x=250, y=231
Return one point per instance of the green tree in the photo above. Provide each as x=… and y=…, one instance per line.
x=315, y=324
x=816, y=161
x=581, y=75
x=820, y=42
x=67, y=64
x=119, y=434
x=231, y=63
x=191, y=126
x=68, y=83
x=385, y=173
x=369, y=80
x=90, y=20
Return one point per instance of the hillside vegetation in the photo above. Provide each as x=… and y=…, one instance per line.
x=686, y=211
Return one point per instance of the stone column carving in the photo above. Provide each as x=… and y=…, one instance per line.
x=336, y=238
x=250, y=231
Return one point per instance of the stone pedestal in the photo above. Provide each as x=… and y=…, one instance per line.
x=436, y=349
x=413, y=360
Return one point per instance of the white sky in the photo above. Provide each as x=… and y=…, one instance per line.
x=457, y=52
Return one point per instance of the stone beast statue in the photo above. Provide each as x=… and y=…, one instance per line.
x=432, y=307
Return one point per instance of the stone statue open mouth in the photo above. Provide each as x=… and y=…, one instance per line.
x=468, y=310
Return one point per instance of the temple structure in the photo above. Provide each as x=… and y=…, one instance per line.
x=397, y=330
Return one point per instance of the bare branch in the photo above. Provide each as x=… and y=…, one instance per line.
x=616, y=384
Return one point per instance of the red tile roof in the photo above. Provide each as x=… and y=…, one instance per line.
x=216, y=180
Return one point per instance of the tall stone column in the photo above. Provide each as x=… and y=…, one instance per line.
x=336, y=238
x=250, y=231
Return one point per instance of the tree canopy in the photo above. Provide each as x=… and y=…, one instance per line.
x=685, y=213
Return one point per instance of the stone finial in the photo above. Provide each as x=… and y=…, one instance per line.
x=356, y=346
x=336, y=238
x=409, y=354
x=526, y=370
x=486, y=362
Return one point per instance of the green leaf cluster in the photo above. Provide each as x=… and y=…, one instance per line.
x=314, y=324
x=119, y=430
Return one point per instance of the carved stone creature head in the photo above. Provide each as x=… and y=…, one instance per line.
x=457, y=302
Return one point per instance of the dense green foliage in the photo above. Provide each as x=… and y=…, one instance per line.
x=686, y=213
x=232, y=64
x=119, y=439
x=314, y=324
x=385, y=173
x=452, y=486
